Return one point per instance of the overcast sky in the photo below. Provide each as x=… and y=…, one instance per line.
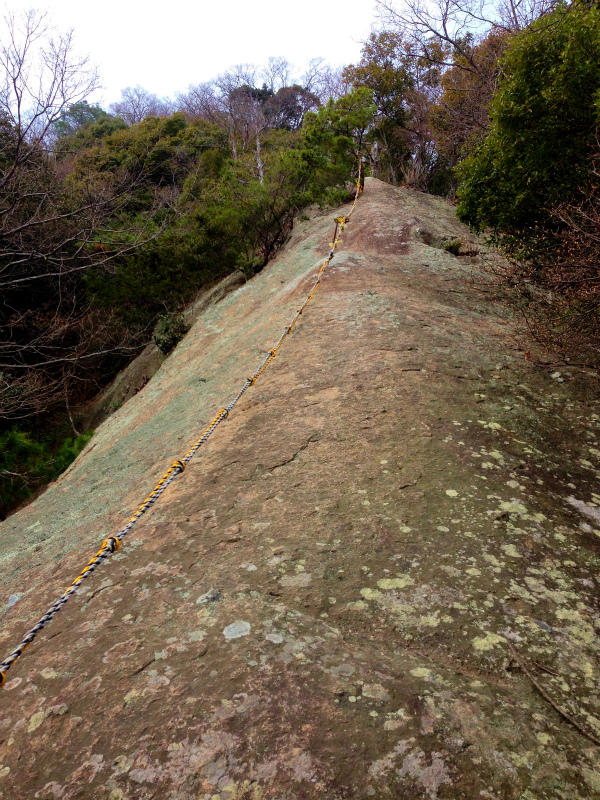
x=164, y=46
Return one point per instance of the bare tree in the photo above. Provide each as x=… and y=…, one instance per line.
x=41, y=78
x=324, y=81
x=201, y=101
x=461, y=115
x=312, y=73
x=227, y=102
x=278, y=73
x=286, y=109
x=220, y=101
x=49, y=229
x=457, y=45
x=444, y=32
x=138, y=103
x=236, y=76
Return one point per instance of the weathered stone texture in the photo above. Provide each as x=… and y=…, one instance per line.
x=318, y=607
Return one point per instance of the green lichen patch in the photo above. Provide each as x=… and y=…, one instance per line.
x=321, y=605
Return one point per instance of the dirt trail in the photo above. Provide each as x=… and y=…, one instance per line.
x=317, y=608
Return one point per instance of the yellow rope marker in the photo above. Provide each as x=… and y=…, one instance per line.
x=113, y=543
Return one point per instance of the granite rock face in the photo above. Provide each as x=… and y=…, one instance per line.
x=319, y=606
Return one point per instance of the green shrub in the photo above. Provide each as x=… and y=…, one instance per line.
x=543, y=121
x=453, y=246
x=170, y=330
x=67, y=453
x=334, y=137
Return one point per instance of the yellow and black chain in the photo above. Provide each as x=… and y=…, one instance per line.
x=113, y=543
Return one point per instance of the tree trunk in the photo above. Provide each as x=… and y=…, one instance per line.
x=259, y=162
x=233, y=142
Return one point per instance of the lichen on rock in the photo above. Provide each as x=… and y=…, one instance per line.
x=321, y=605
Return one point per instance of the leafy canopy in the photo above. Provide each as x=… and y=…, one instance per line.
x=76, y=116
x=335, y=136
x=543, y=119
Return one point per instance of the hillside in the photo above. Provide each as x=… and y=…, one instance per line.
x=319, y=606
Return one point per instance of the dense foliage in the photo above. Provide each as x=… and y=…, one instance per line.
x=533, y=184
x=111, y=222
x=460, y=119
x=543, y=121
x=27, y=463
x=110, y=232
x=405, y=87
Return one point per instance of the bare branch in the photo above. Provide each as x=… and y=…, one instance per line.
x=137, y=103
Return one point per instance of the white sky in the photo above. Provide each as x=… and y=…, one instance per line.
x=164, y=45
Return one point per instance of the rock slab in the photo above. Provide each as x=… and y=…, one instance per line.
x=319, y=607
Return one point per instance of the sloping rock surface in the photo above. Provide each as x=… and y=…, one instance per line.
x=319, y=606
x=139, y=371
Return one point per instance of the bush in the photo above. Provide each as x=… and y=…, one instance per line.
x=453, y=246
x=556, y=291
x=543, y=120
x=534, y=183
x=170, y=330
x=67, y=453
x=229, y=215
